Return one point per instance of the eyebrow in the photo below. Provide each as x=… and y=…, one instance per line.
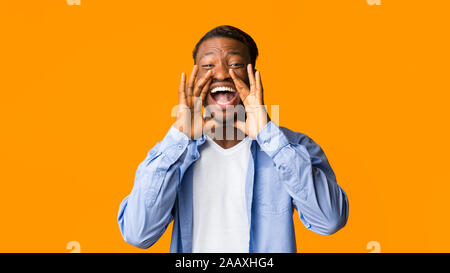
x=228, y=53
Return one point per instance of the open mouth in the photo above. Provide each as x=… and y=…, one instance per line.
x=224, y=95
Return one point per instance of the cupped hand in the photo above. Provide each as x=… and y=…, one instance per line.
x=252, y=99
x=189, y=118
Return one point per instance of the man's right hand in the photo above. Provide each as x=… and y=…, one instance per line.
x=189, y=119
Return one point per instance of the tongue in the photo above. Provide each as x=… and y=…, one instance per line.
x=223, y=97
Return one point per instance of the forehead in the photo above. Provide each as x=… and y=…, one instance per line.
x=222, y=45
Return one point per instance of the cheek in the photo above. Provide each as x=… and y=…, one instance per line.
x=201, y=73
x=242, y=74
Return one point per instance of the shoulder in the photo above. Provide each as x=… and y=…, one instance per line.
x=297, y=137
x=316, y=153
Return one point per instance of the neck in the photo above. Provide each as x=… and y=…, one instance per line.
x=222, y=136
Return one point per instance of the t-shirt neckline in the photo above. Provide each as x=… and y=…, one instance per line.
x=229, y=150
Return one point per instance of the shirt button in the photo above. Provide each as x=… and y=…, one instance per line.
x=194, y=157
x=180, y=146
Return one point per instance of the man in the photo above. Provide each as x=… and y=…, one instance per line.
x=228, y=193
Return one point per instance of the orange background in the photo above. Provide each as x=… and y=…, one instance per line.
x=87, y=90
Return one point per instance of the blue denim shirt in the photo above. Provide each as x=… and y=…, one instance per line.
x=286, y=171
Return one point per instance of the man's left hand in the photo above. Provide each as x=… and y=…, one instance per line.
x=252, y=98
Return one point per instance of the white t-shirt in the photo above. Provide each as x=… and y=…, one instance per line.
x=220, y=221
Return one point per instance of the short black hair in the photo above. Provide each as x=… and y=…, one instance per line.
x=233, y=33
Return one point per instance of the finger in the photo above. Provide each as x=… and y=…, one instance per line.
x=199, y=101
x=210, y=124
x=259, y=88
x=201, y=83
x=240, y=125
x=240, y=86
x=182, y=90
x=205, y=90
x=251, y=77
x=192, y=77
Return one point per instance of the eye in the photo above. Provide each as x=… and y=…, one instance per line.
x=207, y=66
x=236, y=65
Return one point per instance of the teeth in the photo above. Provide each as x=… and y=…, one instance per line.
x=222, y=88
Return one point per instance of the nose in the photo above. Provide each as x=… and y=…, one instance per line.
x=220, y=72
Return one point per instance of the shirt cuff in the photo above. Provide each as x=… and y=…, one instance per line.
x=174, y=143
x=271, y=139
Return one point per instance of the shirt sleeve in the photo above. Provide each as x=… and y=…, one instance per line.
x=321, y=203
x=145, y=214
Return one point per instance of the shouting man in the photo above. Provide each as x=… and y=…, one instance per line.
x=231, y=179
